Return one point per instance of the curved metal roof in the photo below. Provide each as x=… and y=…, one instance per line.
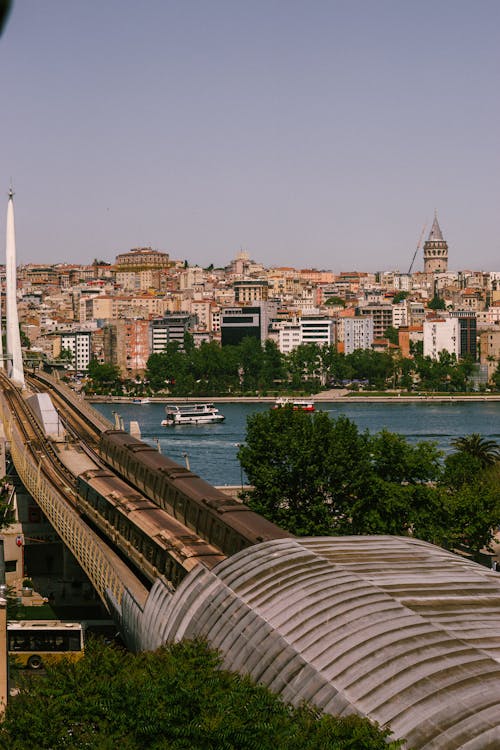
x=390, y=628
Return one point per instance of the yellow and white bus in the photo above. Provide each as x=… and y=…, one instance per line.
x=34, y=643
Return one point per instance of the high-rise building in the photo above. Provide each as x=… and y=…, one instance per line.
x=435, y=250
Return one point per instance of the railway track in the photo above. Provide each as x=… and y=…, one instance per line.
x=152, y=541
x=40, y=447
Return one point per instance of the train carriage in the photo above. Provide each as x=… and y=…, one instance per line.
x=157, y=543
x=222, y=521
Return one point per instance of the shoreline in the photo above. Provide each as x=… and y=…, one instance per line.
x=325, y=397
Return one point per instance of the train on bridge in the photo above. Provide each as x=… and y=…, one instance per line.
x=219, y=519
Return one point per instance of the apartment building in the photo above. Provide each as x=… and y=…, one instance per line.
x=441, y=334
x=126, y=343
x=168, y=329
x=382, y=315
x=358, y=333
x=489, y=344
x=79, y=344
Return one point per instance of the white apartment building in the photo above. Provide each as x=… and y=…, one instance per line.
x=306, y=330
x=358, y=333
x=78, y=343
x=442, y=334
x=289, y=337
x=317, y=330
x=400, y=314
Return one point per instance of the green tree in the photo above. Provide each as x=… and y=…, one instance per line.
x=437, y=303
x=177, y=698
x=399, y=297
x=392, y=334
x=104, y=378
x=304, y=468
x=251, y=359
x=335, y=302
x=496, y=378
x=319, y=476
x=273, y=367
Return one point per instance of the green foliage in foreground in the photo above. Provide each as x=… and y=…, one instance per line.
x=177, y=698
x=316, y=476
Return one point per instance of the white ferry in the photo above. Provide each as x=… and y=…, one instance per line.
x=298, y=404
x=192, y=414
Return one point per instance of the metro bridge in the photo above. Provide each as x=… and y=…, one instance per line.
x=390, y=628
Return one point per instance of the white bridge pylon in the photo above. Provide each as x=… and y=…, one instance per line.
x=15, y=360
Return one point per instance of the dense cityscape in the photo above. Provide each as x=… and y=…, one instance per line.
x=122, y=313
x=249, y=425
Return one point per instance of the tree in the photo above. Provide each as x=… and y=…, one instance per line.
x=335, y=302
x=67, y=355
x=496, y=378
x=487, y=452
x=392, y=334
x=104, y=378
x=437, y=303
x=319, y=476
x=176, y=698
x=399, y=297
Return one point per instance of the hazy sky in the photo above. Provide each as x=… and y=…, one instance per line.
x=315, y=133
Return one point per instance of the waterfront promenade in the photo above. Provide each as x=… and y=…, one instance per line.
x=331, y=395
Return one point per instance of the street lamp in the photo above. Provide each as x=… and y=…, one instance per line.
x=240, y=445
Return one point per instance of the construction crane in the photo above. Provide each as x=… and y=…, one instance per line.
x=417, y=248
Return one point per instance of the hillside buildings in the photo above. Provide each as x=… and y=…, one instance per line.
x=145, y=300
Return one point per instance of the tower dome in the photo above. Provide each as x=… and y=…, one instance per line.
x=435, y=250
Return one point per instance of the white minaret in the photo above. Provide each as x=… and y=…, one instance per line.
x=15, y=362
x=2, y=364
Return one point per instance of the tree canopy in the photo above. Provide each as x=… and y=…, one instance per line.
x=314, y=475
x=177, y=698
x=487, y=452
x=437, y=303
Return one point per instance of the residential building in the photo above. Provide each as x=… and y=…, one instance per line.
x=168, y=329
x=289, y=337
x=316, y=330
x=79, y=344
x=441, y=334
x=382, y=315
x=248, y=291
x=489, y=344
x=126, y=344
x=358, y=333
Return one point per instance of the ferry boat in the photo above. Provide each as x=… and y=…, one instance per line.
x=192, y=414
x=298, y=404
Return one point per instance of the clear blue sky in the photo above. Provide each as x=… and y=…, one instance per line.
x=319, y=133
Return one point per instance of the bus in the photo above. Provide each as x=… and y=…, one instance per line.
x=34, y=643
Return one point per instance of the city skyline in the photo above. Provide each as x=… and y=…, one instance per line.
x=322, y=136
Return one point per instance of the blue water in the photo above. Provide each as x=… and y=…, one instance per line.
x=211, y=449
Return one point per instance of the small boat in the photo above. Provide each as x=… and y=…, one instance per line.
x=141, y=401
x=192, y=414
x=298, y=404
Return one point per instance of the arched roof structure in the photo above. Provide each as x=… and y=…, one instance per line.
x=390, y=628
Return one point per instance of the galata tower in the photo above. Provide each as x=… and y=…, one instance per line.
x=435, y=250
